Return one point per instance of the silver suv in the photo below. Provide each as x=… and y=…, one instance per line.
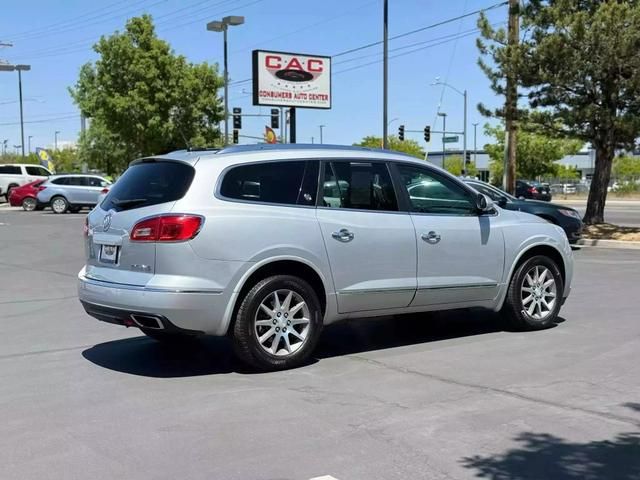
x=267, y=244
x=72, y=192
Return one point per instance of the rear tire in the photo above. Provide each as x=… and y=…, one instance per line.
x=29, y=204
x=59, y=204
x=278, y=323
x=535, y=293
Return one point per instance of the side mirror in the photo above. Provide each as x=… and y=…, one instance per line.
x=483, y=203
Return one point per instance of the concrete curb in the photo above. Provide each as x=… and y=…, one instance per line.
x=592, y=242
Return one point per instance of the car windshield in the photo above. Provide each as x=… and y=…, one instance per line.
x=489, y=190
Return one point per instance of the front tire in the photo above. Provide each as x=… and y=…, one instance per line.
x=534, y=297
x=278, y=323
x=59, y=204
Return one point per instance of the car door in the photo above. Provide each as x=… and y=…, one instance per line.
x=370, y=244
x=460, y=251
x=76, y=190
x=93, y=189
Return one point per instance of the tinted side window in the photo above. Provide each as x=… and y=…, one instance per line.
x=291, y=183
x=149, y=183
x=10, y=170
x=34, y=171
x=61, y=181
x=359, y=185
x=94, y=182
x=432, y=193
x=77, y=181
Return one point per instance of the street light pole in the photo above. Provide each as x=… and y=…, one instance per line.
x=444, y=133
x=475, y=148
x=385, y=75
x=223, y=26
x=55, y=142
x=464, y=134
x=321, y=127
x=30, y=137
x=19, y=68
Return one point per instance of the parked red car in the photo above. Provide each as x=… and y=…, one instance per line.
x=25, y=196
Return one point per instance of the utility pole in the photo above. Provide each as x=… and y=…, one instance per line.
x=321, y=127
x=385, y=75
x=511, y=107
x=464, y=135
x=475, y=147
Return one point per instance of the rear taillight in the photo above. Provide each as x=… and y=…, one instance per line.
x=167, y=228
x=41, y=187
x=533, y=190
x=104, y=191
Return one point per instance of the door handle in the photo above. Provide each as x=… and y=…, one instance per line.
x=431, y=237
x=343, y=235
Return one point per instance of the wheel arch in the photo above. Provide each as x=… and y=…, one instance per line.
x=297, y=267
x=531, y=251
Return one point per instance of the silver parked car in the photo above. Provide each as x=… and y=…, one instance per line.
x=269, y=243
x=72, y=192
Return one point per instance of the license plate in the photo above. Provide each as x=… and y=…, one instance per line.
x=108, y=253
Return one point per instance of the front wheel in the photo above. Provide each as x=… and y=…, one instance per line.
x=278, y=323
x=59, y=205
x=535, y=294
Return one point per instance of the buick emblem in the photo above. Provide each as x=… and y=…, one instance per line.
x=106, y=222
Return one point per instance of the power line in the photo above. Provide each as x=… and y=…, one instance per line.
x=422, y=29
x=42, y=121
x=401, y=35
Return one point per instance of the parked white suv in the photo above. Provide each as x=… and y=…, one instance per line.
x=270, y=243
x=14, y=175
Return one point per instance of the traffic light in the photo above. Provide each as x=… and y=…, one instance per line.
x=401, y=133
x=427, y=134
x=236, y=136
x=275, y=118
x=237, y=118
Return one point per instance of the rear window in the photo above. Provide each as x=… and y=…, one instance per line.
x=149, y=183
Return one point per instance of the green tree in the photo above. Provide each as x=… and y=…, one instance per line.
x=454, y=166
x=626, y=168
x=410, y=147
x=143, y=99
x=580, y=64
x=565, y=172
x=536, y=152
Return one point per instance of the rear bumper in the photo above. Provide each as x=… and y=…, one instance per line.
x=191, y=311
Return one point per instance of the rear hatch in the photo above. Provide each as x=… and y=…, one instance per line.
x=148, y=188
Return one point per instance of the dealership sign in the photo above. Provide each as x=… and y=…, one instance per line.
x=291, y=80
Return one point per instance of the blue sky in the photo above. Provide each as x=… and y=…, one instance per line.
x=55, y=38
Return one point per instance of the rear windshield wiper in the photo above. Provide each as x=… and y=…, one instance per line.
x=128, y=202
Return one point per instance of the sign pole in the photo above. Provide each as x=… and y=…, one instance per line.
x=292, y=125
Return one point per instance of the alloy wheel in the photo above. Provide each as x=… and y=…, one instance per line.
x=59, y=205
x=282, y=322
x=538, y=292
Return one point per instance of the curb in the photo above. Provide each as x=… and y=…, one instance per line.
x=592, y=242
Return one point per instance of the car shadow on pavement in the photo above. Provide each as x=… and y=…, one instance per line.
x=546, y=456
x=369, y=334
x=214, y=355
x=146, y=357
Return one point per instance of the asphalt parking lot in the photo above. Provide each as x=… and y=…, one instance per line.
x=437, y=396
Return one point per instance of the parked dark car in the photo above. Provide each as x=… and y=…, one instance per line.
x=566, y=218
x=533, y=190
